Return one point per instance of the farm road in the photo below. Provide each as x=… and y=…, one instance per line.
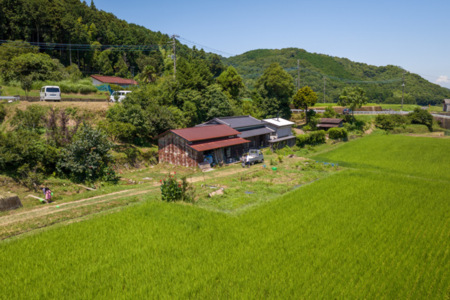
x=52, y=208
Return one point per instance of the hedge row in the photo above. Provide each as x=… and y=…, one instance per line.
x=82, y=87
x=313, y=138
x=337, y=133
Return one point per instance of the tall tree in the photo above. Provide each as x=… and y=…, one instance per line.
x=231, y=82
x=353, y=98
x=304, y=98
x=275, y=83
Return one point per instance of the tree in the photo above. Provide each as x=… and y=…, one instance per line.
x=276, y=87
x=30, y=119
x=87, y=158
x=38, y=66
x=215, y=103
x=353, y=98
x=304, y=98
x=26, y=83
x=421, y=116
x=384, y=122
x=231, y=82
x=121, y=68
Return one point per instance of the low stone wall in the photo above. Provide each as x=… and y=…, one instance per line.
x=444, y=120
x=9, y=201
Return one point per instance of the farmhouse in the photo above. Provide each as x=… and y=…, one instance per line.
x=446, y=104
x=252, y=129
x=188, y=147
x=123, y=82
x=282, y=135
x=327, y=123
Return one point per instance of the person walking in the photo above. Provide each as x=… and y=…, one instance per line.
x=48, y=195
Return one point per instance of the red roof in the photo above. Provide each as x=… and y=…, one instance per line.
x=218, y=144
x=194, y=134
x=114, y=80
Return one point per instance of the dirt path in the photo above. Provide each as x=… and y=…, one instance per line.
x=55, y=208
x=370, y=130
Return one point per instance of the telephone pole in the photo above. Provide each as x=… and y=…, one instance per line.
x=298, y=74
x=403, y=87
x=174, y=56
x=323, y=89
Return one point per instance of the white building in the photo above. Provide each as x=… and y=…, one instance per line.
x=282, y=135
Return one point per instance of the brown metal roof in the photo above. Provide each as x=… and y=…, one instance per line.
x=193, y=134
x=327, y=125
x=114, y=80
x=218, y=144
x=330, y=120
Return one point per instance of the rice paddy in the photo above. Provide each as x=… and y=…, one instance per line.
x=379, y=229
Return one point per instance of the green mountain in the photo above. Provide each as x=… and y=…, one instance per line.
x=77, y=33
x=323, y=72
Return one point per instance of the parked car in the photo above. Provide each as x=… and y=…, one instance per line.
x=118, y=96
x=347, y=111
x=253, y=156
x=52, y=93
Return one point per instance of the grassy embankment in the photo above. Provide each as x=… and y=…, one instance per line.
x=398, y=107
x=378, y=230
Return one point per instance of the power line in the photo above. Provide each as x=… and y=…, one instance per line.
x=206, y=47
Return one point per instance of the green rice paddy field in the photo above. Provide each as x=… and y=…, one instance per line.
x=378, y=229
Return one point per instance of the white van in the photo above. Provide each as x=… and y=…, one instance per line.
x=120, y=95
x=50, y=93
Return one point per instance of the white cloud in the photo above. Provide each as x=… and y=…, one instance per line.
x=443, y=79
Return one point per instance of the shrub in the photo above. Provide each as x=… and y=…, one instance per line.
x=313, y=138
x=172, y=190
x=317, y=137
x=421, y=116
x=280, y=158
x=2, y=113
x=302, y=140
x=86, y=89
x=337, y=133
x=329, y=112
x=87, y=158
x=151, y=155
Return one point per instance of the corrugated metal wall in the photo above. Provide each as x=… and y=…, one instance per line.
x=175, y=150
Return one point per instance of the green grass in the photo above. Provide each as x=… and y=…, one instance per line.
x=13, y=91
x=369, y=232
x=406, y=107
x=412, y=156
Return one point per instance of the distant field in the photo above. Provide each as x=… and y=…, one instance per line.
x=412, y=156
x=406, y=107
x=372, y=231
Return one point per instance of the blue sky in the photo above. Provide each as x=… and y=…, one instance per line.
x=414, y=35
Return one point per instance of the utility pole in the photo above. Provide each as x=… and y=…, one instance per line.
x=403, y=87
x=323, y=89
x=298, y=74
x=174, y=56
x=70, y=53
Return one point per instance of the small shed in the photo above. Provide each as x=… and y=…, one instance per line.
x=250, y=128
x=123, y=82
x=446, y=104
x=327, y=123
x=188, y=147
x=282, y=135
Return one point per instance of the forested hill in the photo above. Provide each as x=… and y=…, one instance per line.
x=382, y=84
x=75, y=32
